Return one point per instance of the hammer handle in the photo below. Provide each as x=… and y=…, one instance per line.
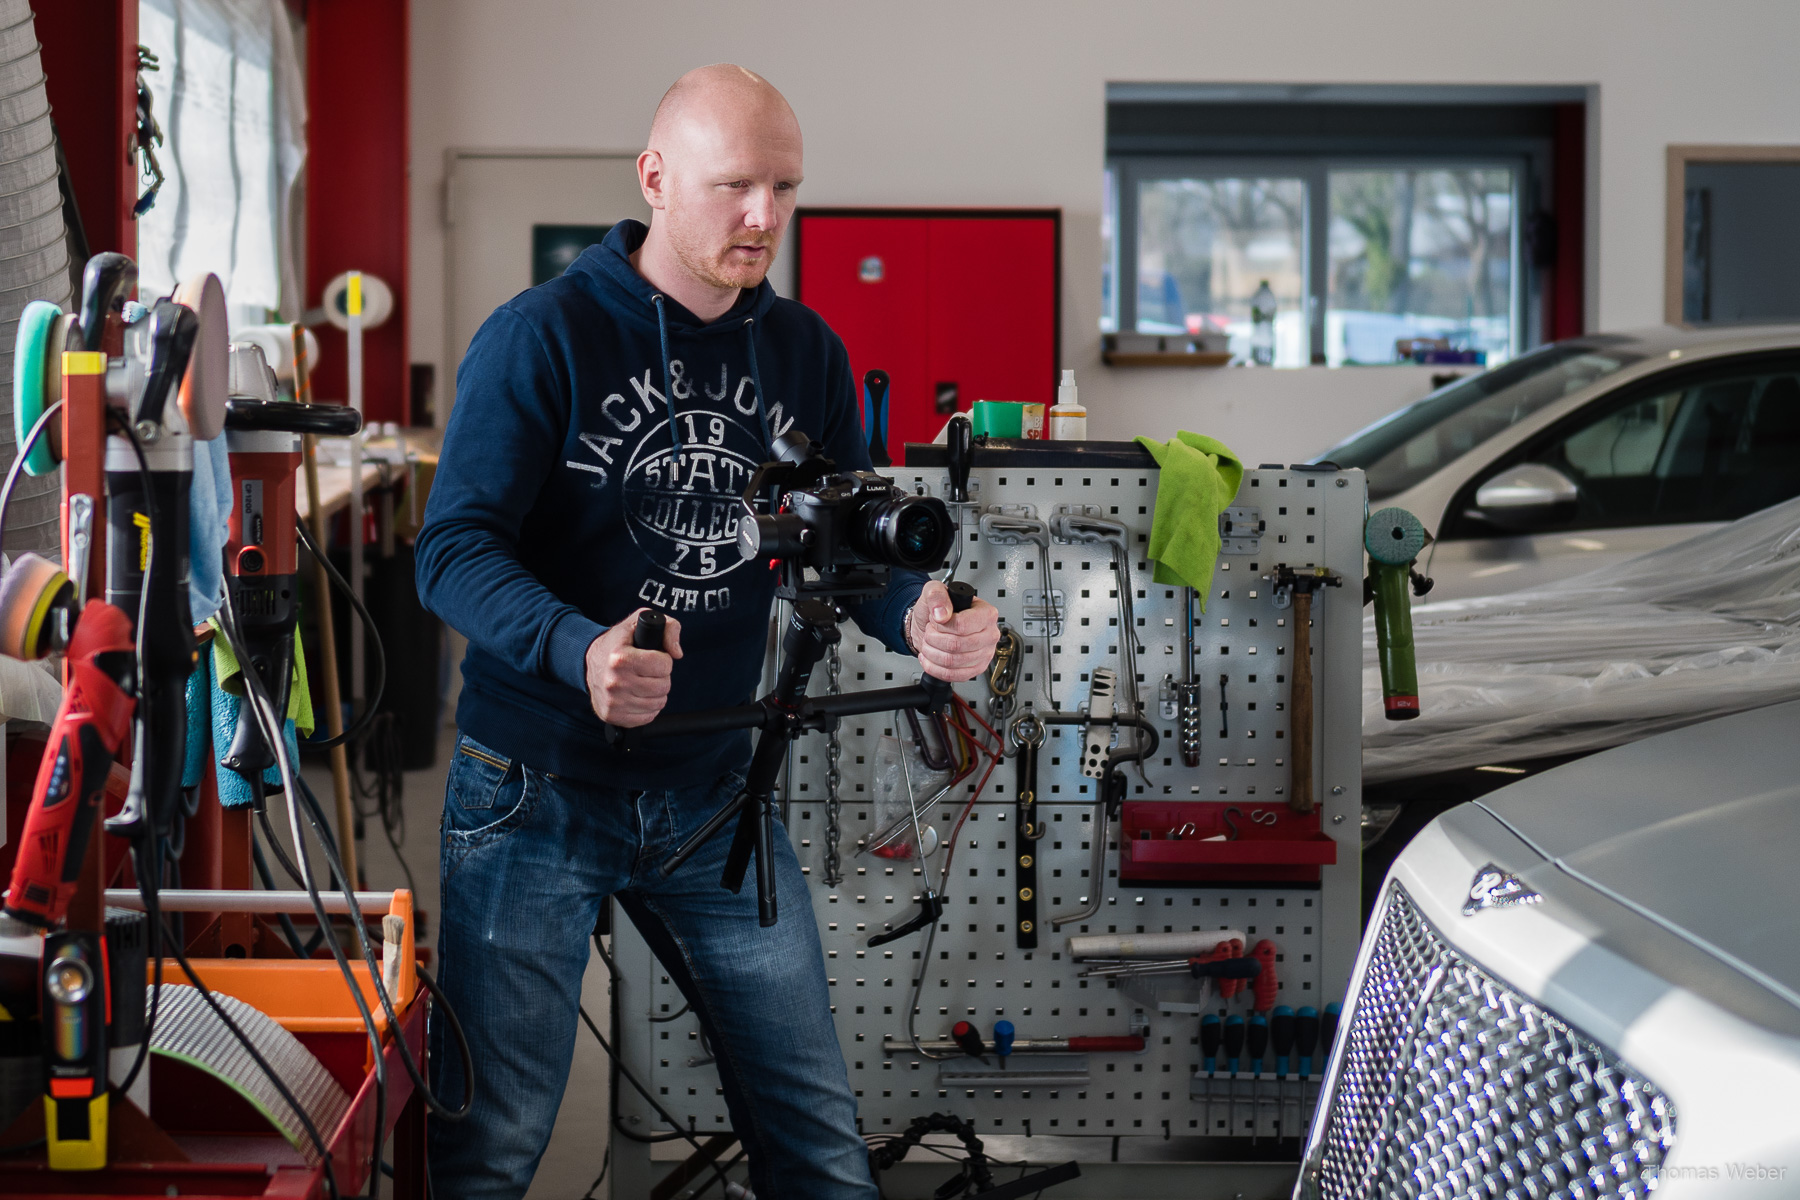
x=1300, y=706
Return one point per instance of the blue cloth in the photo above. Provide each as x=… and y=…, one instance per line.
x=526, y=860
x=209, y=527
x=601, y=439
x=212, y=722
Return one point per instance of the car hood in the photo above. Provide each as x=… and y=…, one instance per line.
x=1698, y=830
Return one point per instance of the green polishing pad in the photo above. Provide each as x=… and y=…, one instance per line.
x=37, y=379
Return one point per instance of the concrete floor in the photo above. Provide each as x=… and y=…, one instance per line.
x=579, y=1140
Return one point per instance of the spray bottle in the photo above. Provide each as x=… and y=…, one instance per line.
x=1068, y=420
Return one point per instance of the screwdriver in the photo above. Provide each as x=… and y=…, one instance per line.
x=965, y=1036
x=1003, y=1040
x=1306, y=1036
x=1234, y=1040
x=1266, y=983
x=1328, y=1027
x=1209, y=1041
x=1256, y=1042
x=1281, y=1037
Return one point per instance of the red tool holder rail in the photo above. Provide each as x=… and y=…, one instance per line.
x=1221, y=843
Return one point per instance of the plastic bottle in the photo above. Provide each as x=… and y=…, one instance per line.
x=1262, y=326
x=1068, y=420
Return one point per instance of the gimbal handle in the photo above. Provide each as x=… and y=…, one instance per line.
x=962, y=597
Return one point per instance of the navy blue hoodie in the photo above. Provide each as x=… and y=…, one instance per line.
x=559, y=504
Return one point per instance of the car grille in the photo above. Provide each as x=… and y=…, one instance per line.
x=1453, y=1084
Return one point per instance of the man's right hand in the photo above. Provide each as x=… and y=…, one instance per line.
x=627, y=686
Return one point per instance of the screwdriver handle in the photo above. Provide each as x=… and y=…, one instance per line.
x=875, y=416
x=1003, y=1039
x=1224, y=968
x=1256, y=1042
x=649, y=632
x=1266, y=984
x=1281, y=1037
x=1306, y=1038
x=1234, y=1040
x=1210, y=1034
x=965, y=1036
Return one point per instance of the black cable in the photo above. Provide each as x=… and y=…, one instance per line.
x=264, y=711
x=382, y=748
x=660, y=1110
x=605, y=1162
x=368, y=713
x=146, y=838
x=306, y=1122
x=281, y=856
x=268, y=881
x=18, y=464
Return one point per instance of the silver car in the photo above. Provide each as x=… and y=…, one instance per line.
x=1584, y=985
x=1589, y=451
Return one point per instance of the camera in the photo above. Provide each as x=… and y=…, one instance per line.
x=848, y=527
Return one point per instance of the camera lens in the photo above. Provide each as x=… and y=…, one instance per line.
x=906, y=531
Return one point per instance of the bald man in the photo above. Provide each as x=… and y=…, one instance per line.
x=605, y=426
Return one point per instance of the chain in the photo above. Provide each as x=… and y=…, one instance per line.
x=834, y=752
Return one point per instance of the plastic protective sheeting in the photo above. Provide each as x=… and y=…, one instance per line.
x=1699, y=629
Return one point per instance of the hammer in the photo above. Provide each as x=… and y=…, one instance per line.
x=1299, y=584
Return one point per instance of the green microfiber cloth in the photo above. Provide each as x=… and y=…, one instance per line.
x=226, y=669
x=1200, y=479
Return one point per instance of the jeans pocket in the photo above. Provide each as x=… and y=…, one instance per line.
x=488, y=796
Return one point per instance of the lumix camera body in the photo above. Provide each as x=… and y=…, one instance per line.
x=849, y=528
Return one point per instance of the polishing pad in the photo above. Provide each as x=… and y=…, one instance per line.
x=205, y=386
x=37, y=379
x=28, y=592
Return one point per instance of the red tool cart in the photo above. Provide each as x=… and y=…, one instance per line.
x=956, y=305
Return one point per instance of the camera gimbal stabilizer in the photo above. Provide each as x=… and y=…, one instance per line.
x=839, y=528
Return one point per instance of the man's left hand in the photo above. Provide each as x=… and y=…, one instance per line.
x=952, y=646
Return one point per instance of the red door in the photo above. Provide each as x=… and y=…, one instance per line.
x=966, y=299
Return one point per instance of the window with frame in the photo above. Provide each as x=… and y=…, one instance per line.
x=1381, y=228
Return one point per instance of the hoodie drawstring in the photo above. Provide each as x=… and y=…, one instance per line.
x=762, y=413
x=662, y=330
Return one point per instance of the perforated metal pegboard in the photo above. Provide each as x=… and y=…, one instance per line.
x=977, y=973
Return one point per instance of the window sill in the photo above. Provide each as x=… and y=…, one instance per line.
x=1164, y=358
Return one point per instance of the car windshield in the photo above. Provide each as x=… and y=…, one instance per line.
x=1404, y=447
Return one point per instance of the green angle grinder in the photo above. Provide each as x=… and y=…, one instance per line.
x=1394, y=539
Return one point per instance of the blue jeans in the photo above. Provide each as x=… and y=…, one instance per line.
x=527, y=860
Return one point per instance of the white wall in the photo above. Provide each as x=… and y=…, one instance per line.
x=982, y=102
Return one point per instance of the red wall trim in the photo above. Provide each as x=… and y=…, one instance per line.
x=1566, y=312
x=356, y=182
x=90, y=68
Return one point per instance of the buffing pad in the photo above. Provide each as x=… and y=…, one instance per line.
x=37, y=379
x=206, y=386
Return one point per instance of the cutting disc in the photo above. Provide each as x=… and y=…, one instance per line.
x=37, y=378
x=206, y=386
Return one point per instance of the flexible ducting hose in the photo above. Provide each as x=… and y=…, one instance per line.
x=34, y=253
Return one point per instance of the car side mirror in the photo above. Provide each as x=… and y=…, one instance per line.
x=1526, y=495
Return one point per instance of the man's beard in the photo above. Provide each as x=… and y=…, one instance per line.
x=713, y=266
